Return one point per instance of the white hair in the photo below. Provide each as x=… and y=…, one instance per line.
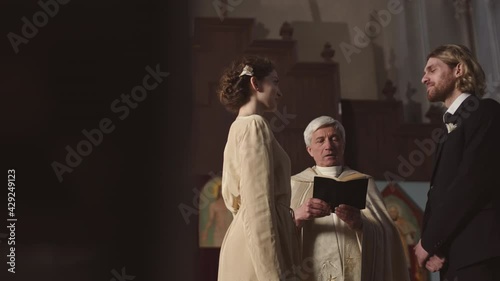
x=320, y=122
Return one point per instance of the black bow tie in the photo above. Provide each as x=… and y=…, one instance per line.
x=450, y=118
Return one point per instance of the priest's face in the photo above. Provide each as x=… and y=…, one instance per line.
x=327, y=147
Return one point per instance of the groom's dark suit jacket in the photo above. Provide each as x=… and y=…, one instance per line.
x=462, y=215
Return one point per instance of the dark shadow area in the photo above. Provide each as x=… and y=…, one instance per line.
x=101, y=165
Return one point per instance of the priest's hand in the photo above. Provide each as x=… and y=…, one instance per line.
x=350, y=215
x=435, y=263
x=420, y=253
x=310, y=209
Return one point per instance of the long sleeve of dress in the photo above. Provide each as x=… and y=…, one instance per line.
x=257, y=209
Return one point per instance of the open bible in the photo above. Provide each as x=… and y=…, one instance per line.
x=333, y=192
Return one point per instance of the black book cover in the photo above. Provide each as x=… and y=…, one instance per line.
x=352, y=193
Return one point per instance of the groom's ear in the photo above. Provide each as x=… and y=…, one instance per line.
x=458, y=70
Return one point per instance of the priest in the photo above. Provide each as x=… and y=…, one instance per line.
x=347, y=244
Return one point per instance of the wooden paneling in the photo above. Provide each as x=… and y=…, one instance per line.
x=379, y=143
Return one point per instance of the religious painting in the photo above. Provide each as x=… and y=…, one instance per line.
x=214, y=218
x=407, y=217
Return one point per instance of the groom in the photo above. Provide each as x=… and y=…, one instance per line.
x=461, y=229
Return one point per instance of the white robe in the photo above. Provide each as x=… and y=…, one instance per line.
x=332, y=251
